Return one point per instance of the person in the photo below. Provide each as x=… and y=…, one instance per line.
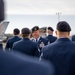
x=62, y=52
x=1, y=10
x=25, y=45
x=1, y=18
x=73, y=38
x=36, y=38
x=19, y=64
x=13, y=39
x=50, y=36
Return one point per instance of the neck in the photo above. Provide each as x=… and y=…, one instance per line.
x=26, y=37
x=62, y=36
x=49, y=34
x=15, y=35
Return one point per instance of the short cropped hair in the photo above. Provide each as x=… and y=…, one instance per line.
x=16, y=31
x=25, y=32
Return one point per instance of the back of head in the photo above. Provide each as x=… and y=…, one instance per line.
x=63, y=29
x=16, y=31
x=25, y=32
x=50, y=28
x=1, y=10
x=63, y=26
x=50, y=31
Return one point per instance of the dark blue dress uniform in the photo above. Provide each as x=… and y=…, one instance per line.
x=26, y=46
x=1, y=16
x=1, y=46
x=17, y=64
x=73, y=38
x=61, y=52
x=51, y=38
x=11, y=40
x=62, y=55
x=41, y=42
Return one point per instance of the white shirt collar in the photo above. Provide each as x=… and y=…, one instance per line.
x=37, y=39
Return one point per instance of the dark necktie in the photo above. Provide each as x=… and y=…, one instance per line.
x=36, y=40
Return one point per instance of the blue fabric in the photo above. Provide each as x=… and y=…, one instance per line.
x=1, y=46
x=17, y=64
x=11, y=40
x=41, y=40
x=73, y=38
x=51, y=38
x=62, y=54
x=26, y=46
x=45, y=42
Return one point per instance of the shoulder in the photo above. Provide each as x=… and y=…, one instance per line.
x=53, y=46
x=73, y=37
x=72, y=45
x=47, y=37
x=17, y=42
x=19, y=37
x=33, y=43
x=54, y=36
x=24, y=61
x=9, y=39
x=43, y=39
x=49, y=48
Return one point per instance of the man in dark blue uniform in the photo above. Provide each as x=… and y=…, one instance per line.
x=25, y=45
x=1, y=10
x=62, y=51
x=1, y=17
x=73, y=38
x=36, y=38
x=13, y=39
x=18, y=64
x=50, y=36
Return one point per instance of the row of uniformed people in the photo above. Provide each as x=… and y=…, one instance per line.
x=61, y=53
x=41, y=42
x=18, y=64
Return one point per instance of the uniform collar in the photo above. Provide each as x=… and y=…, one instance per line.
x=63, y=39
x=25, y=38
x=16, y=36
x=37, y=39
x=50, y=35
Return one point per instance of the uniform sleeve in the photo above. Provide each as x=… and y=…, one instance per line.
x=73, y=63
x=7, y=45
x=44, y=54
x=46, y=42
x=14, y=47
x=36, y=52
